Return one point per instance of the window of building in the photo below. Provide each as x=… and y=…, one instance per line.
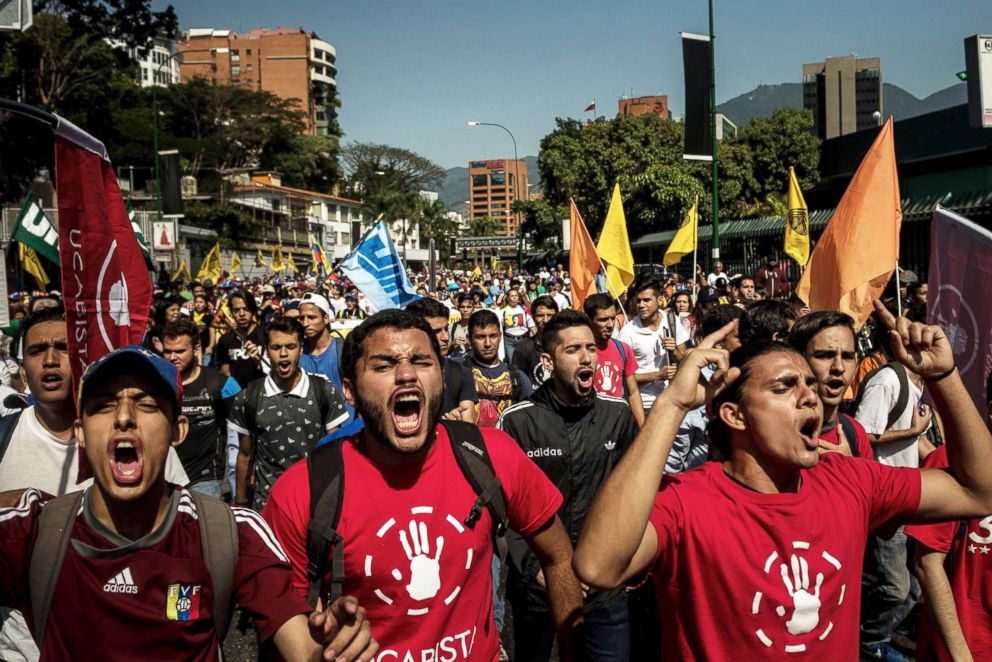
x=479, y=180
x=144, y=73
x=248, y=67
x=235, y=70
x=235, y=55
x=250, y=83
x=247, y=52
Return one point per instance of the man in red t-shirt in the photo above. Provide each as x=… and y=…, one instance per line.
x=133, y=585
x=759, y=556
x=957, y=623
x=617, y=364
x=424, y=577
x=826, y=339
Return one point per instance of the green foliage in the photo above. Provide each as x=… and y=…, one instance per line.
x=785, y=139
x=372, y=168
x=436, y=224
x=229, y=221
x=662, y=195
x=483, y=226
x=542, y=222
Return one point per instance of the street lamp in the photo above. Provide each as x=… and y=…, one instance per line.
x=178, y=57
x=516, y=174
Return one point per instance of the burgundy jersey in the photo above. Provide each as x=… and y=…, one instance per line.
x=147, y=599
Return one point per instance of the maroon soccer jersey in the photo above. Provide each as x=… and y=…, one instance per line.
x=148, y=599
x=743, y=575
x=423, y=576
x=969, y=550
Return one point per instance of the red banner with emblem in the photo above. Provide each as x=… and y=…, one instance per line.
x=106, y=287
x=960, y=262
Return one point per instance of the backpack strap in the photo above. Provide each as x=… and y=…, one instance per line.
x=623, y=367
x=623, y=352
x=850, y=433
x=219, y=539
x=903, y=398
x=516, y=385
x=473, y=459
x=55, y=524
x=325, y=466
x=7, y=425
x=454, y=382
x=320, y=397
x=252, y=394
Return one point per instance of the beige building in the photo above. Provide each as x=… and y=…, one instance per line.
x=493, y=187
x=629, y=107
x=844, y=94
x=289, y=62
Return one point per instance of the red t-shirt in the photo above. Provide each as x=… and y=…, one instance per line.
x=151, y=599
x=612, y=370
x=970, y=554
x=424, y=578
x=747, y=576
x=864, y=444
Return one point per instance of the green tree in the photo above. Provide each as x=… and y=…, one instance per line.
x=777, y=142
x=661, y=196
x=542, y=222
x=483, y=226
x=229, y=221
x=435, y=222
x=371, y=168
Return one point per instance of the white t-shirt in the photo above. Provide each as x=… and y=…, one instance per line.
x=649, y=353
x=879, y=398
x=562, y=300
x=712, y=278
x=37, y=458
x=516, y=321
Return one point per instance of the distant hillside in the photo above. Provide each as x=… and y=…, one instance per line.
x=454, y=189
x=763, y=100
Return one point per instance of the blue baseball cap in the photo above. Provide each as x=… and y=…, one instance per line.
x=135, y=359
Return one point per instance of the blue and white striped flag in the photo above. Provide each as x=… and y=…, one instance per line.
x=375, y=269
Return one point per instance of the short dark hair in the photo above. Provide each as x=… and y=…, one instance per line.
x=480, y=319
x=182, y=327
x=393, y=318
x=597, y=302
x=249, y=300
x=719, y=316
x=741, y=358
x=644, y=282
x=566, y=319
x=543, y=301
x=764, y=319
x=466, y=296
x=427, y=307
x=50, y=314
x=809, y=325
x=284, y=324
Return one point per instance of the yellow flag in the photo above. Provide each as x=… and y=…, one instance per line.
x=182, y=273
x=685, y=239
x=260, y=260
x=291, y=264
x=211, y=267
x=614, y=247
x=797, y=223
x=476, y=273
x=32, y=265
x=277, y=265
x=492, y=263
x=235, y=262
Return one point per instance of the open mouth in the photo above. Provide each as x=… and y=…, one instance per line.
x=51, y=381
x=408, y=413
x=285, y=368
x=126, y=461
x=810, y=432
x=584, y=378
x=835, y=387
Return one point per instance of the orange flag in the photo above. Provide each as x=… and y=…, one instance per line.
x=858, y=251
x=583, y=261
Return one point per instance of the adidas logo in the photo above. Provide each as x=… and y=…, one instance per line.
x=121, y=583
x=610, y=444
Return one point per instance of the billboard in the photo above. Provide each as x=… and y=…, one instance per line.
x=978, y=63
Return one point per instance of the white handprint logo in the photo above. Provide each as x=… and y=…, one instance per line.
x=118, y=303
x=425, y=572
x=806, y=605
x=606, y=371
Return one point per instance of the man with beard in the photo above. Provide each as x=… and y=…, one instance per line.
x=408, y=556
x=239, y=351
x=760, y=556
x=140, y=580
x=281, y=417
x=576, y=436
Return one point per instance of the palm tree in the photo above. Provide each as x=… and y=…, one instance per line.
x=484, y=226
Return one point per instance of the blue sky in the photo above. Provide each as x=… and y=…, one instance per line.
x=410, y=73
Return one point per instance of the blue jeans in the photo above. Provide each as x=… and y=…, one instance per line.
x=499, y=601
x=212, y=488
x=509, y=344
x=605, y=634
x=889, y=599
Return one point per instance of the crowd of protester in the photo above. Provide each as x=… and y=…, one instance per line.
x=700, y=469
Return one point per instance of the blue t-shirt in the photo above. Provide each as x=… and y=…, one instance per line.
x=327, y=365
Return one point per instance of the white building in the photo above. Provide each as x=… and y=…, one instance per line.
x=158, y=66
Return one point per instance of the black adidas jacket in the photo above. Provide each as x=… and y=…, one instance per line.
x=576, y=446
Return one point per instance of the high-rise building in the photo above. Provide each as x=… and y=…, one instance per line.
x=289, y=62
x=156, y=65
x=493, y=187
x=641, y=105
x=844, y=93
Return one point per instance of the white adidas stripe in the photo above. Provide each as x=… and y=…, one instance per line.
x=23, y=507
x=261, y=527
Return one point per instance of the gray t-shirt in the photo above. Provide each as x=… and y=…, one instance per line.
x=287, y=426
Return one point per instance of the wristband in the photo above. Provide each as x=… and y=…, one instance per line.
x=941, y=376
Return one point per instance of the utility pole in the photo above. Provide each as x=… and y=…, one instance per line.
x=716, y=191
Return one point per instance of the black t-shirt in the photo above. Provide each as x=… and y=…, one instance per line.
x=463, y=383
x=527, y=359
x=205, y=406
x=231, y=351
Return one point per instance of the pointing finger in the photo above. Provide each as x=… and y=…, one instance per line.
x=887, y=318
x=718, y=336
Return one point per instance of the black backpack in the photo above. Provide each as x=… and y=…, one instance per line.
x=7, y=425
x=901, y=400
x=325, y=467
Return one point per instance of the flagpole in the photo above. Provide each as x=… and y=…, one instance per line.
x=613, y=288
x=898, y=291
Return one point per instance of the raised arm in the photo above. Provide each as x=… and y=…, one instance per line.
x=616, y=542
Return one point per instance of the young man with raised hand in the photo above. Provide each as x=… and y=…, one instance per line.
x=137, y=563
x=776, y=530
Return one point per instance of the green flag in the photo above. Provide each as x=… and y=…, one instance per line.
x=137, y=229
x=35, y=230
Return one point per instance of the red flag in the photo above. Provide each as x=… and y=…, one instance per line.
x=583, y=261
x=961, y=259
x=106, y=287
x=591, y=107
